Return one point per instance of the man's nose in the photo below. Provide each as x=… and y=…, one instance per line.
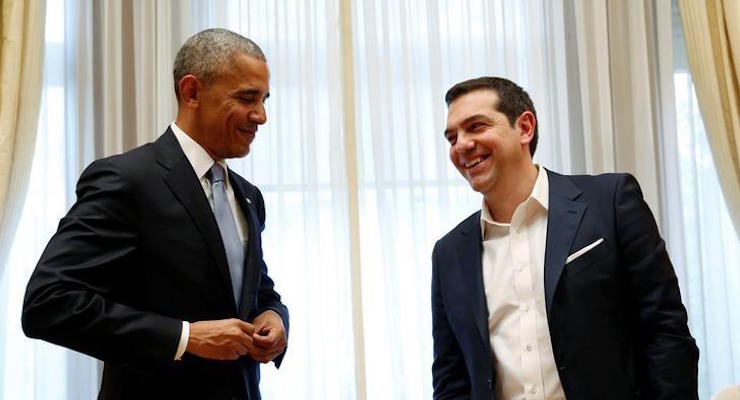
x=258, y=115
x=464, y=144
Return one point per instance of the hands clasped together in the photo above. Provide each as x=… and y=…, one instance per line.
x=229, y=339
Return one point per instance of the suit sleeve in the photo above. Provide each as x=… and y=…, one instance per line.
x=667, y=354
x=75, y=296
x=268, y=298
x=449, y=374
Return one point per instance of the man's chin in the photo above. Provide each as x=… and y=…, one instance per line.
x=478, y=185
x=243, y=153
x=236, y=153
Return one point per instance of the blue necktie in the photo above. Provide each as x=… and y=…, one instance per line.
x=227, y=225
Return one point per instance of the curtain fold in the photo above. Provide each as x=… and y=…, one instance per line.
x=619, y=88
x=713, y=47
x=21, y=61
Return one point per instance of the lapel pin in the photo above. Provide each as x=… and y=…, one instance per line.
x=248, y=201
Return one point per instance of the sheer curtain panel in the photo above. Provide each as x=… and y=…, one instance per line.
x=406, y=55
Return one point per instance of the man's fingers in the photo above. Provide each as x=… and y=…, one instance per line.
x=242, y=349
x=221, y=339
x=246, y=327
x=268, y=340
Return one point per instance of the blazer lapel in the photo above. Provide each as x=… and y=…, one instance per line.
x=252, y=268
x=185, y=185
x=468, y=248
x=563, y=218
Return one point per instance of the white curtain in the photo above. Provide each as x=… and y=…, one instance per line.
x=298, y=161
x=108, y=88
x=407, y=54
x=712, y=250
x=359, y=292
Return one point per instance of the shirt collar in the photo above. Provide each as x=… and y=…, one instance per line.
x=200, y=160
x=541, y=190
x=540, y=193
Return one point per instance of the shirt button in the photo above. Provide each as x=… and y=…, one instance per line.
x=528, y=348
x=525, y=307
x=533, y=390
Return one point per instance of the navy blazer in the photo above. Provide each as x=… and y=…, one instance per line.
x=617, y=325
x=139, y=252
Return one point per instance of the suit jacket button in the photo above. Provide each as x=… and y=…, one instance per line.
x=490, y=383
x=561, y=368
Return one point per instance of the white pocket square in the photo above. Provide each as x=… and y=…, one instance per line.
x=582, y=251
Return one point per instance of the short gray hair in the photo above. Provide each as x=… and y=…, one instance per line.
x=209, y=53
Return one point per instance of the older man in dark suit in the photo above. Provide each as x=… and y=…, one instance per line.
x=561, y=285
x=157, y=269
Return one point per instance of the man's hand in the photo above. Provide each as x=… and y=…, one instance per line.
x=225, y=339
x=269, y=337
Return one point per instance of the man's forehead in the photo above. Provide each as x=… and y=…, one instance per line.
x=479, y=97
x=472, y=103
x=248, y=73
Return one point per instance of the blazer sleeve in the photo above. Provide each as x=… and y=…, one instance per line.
x=74, y=297
x=267, y=297
x=667, y=354
x=449, y=373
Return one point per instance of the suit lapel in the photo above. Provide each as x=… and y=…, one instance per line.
x=563, y=218
x=468, y=248
x=251, y=264
x=186, y=187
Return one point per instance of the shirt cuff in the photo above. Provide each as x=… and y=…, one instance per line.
x=183, y=340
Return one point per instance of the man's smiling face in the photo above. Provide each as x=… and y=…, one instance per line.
x=232, y=107
x=483, y=144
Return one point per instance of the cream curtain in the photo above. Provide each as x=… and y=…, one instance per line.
x=712, y=29
x=20, y=93
x=707, y=116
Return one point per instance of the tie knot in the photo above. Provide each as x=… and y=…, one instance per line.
x=216, y=173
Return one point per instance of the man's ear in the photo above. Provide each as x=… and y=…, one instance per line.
x=526, y=124
x=190, y=88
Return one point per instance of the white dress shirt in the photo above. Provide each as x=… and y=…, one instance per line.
x=513, y=278
x=201, y=163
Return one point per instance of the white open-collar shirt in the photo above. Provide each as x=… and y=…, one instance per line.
x=513, y=261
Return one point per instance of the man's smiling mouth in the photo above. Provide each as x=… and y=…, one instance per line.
x=472, y=163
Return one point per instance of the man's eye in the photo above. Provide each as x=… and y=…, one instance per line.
x=476, y=126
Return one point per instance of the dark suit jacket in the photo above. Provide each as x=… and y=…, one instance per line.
x=617, y=325
x=138, y=253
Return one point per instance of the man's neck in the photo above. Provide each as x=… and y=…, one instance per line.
x=512, y=190
x=187, y=125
